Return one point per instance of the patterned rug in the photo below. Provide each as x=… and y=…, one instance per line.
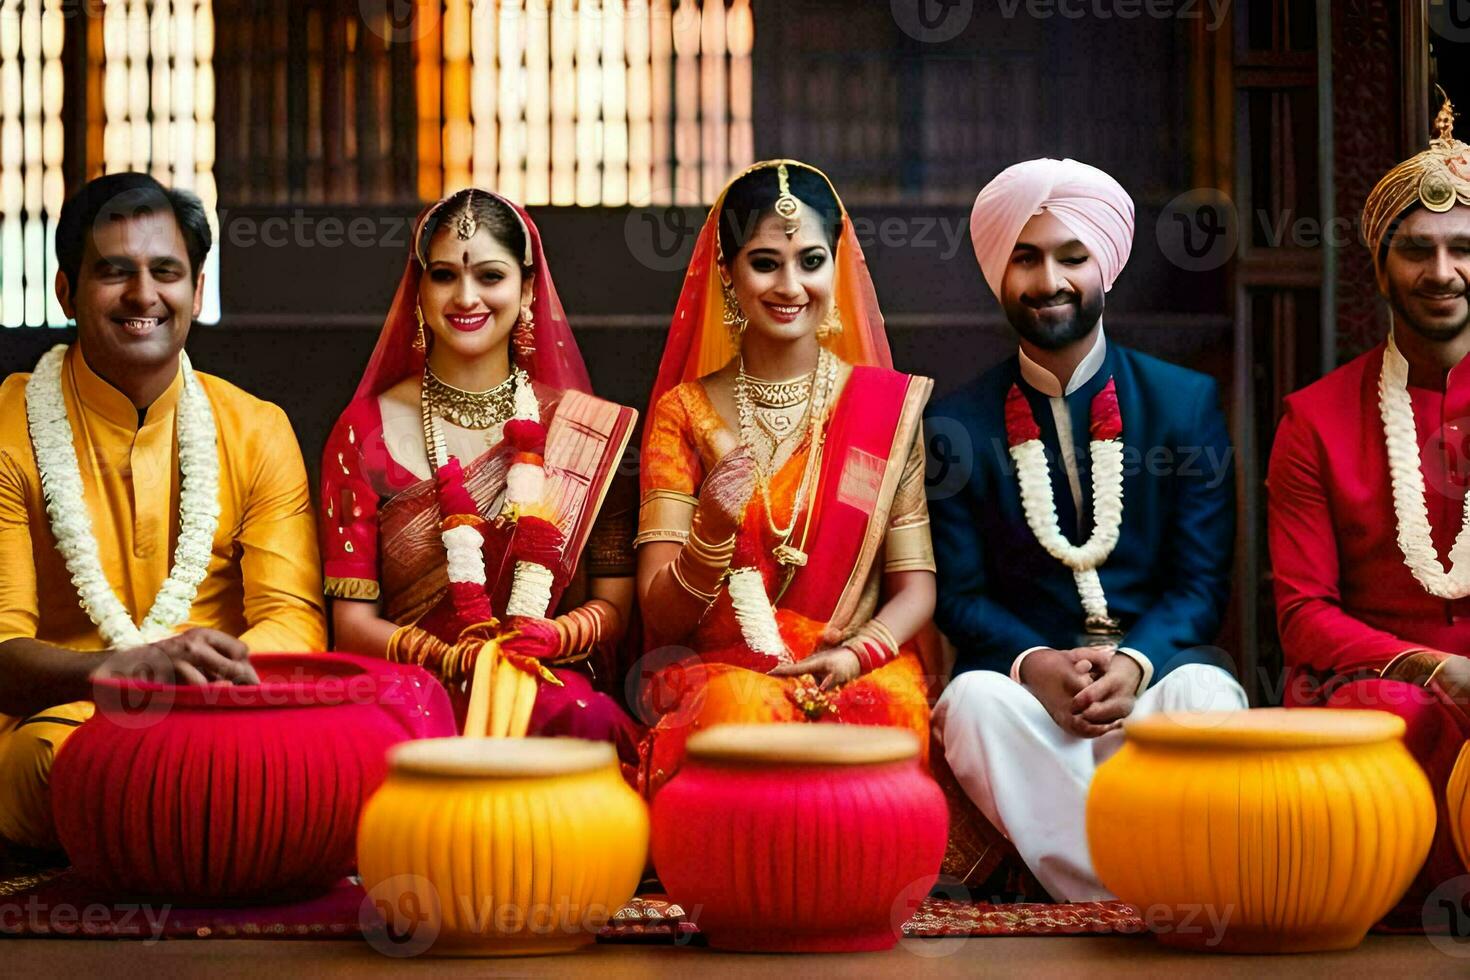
x=947, y=917
x=56, y=903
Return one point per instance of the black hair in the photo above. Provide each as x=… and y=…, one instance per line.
x=490, y=213
x=119, y=197
x=753, y=196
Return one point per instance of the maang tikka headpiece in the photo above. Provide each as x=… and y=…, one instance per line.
x=787, y=205
x=463, y=222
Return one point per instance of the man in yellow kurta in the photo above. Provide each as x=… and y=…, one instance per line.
x=130, y=254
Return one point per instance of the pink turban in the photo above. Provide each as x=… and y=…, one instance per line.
x=1092, y=205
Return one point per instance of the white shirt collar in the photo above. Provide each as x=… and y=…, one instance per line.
x=1045, y=382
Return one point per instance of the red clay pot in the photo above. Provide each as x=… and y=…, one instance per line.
x=800, y=838
x=222, y=794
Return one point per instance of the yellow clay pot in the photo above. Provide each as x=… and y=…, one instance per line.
x=1261, y=831
x=501, y=847
x=1458, y=796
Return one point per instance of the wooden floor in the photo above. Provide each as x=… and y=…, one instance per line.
x=1135, y=958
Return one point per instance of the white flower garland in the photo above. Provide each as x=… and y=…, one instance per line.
x=466, y=562
x=525, y=484
x=71, y=524
x=530, y=590
x=1414, y=536
x=755, y=614
x=1107, y=505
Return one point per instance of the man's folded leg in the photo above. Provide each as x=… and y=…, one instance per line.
x=27, y=749
x=1026, y=775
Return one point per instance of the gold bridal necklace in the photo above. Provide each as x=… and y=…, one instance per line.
x=470, y=409
x=758, y=402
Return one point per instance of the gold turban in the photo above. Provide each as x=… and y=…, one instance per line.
x=1438, y=178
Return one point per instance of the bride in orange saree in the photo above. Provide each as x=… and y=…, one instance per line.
x=785, y=571
x=469, y=489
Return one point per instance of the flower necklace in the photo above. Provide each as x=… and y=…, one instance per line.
x=71, y=524
x=538, y=540
x=1410, y=511
x=1024, y=438
x=748, y=596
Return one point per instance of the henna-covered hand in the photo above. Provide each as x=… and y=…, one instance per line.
x=726, y=491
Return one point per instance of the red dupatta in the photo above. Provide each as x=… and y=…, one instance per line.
x=867, y=445
x=557, y=361
x=577, y=470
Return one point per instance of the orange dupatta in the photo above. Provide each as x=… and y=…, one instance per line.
x=872, y=428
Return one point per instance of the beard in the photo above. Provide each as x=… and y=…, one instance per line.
x=1436, y=331
x=1054, y=331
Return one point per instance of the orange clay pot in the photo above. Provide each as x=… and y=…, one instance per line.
x=1458, y=797
x=1268, y=831
x=500, y=847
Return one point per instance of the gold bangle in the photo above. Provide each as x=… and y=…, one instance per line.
x=411, y=645
x=394, y=651
x=1413, y=666
x=1438, y=667
x=711, y=554
x=880, y=635
x=604, y=620
x=706, y=566
x=1399, y=658
x=707, y=597
x=584, y=628
x=884, y=636
x=570, y=629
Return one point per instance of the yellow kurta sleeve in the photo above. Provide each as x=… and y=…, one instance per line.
x=279, y=564
x=906, y=546
x=19, y=609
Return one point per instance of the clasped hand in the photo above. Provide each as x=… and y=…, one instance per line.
x=1088, y=691
x=195, y=656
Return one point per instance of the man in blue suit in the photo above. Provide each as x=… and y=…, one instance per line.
x=1083, y=511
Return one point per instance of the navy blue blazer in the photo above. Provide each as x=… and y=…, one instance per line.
x=1168, y=578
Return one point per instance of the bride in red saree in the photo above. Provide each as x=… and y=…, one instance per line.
x=468, y=490
x=785, y=571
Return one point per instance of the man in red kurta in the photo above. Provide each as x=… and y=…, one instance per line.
x=1367, y=489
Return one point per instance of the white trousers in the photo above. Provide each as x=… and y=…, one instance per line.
x=1030, y=778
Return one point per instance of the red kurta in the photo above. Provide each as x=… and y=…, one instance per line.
x=1345, y=601
x=1346, y=604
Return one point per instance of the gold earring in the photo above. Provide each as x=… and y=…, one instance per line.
x=831, y=327
x=735, y=318
x=420, y=341
x=523, y=337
